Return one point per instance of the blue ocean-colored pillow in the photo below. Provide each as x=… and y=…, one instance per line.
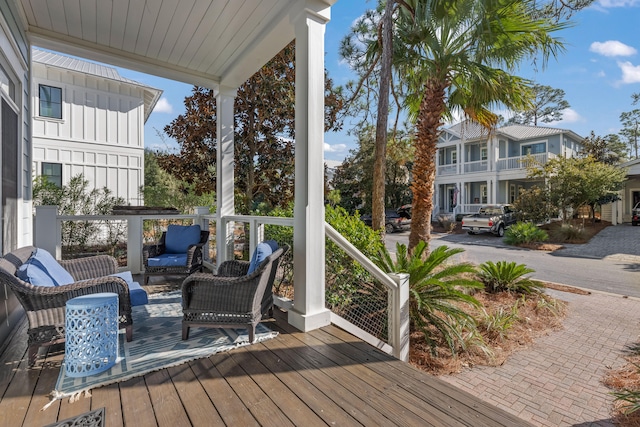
x=263, y=250
x=42, y=269
x=180, y=237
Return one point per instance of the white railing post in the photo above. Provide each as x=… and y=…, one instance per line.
x=134, y=244
x=399, y=316
x=47, y=230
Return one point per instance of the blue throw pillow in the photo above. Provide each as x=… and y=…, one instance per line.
x=180, y=237
x=273, y=244
x=41, y=265
x=263, y=250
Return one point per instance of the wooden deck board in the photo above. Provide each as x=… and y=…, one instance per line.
x=323, y=377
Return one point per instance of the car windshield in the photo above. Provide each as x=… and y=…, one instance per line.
x=490, y=211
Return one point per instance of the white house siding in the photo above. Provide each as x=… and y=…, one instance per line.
x=100, y=135
x=16, y=229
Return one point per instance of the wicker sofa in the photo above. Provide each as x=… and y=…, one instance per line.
x=45, y=306
x=232, y=298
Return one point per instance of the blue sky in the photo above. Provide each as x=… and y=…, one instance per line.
x=599, y=71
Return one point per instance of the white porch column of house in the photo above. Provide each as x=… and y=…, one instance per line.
x=309, y=311
x=224, y=171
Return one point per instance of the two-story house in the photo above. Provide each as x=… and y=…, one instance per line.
x=476, y=166
x=89, y=120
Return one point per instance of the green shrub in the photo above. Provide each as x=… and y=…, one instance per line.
x=496, y=325
x=569, y=233
x=345, y=276
x=524, y=232
x=436, y=292
x=507, y=276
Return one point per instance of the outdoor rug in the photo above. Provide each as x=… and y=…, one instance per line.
x=157, y=344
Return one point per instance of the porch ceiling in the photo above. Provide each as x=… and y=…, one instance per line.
x=204, y=42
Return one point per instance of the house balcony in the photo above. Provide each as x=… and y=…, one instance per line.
x=522, y=162
x=451, y=169
x=476, y=166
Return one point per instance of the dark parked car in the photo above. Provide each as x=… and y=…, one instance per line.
x=635, y=214
x=395, y=219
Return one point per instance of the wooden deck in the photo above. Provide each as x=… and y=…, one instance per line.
x=324, y=377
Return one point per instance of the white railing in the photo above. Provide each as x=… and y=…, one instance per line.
x=448, y=169
x=477, y=166
x=521, y=162
x=48, y=235
x=397, y=286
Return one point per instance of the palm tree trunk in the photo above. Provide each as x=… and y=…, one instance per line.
x=428, y=127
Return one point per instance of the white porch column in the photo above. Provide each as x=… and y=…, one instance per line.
x=309, y=310
x=224, y=171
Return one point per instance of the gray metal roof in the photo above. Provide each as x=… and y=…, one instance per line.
x=151, y=94
x=468, y=130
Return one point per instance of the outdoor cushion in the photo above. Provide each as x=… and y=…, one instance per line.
x=42, y=269
x=263, y=250
x=180, y=237
x=168, y=260
x=273, y=244
x=137, y=294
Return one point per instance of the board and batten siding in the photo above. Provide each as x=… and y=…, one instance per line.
x=100, y=135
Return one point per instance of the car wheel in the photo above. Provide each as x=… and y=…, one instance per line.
x=634, y=223
x=500, y=231
x=388, y=228
x=470, y=233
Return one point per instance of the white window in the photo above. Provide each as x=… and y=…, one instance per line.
x=454, y=157
x=50, y=102
x=483, y=153
x=537, y=148
x=483, y=193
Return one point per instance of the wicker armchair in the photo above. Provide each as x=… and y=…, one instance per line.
x=194, y=258
x=45, y=306
x=232, y=298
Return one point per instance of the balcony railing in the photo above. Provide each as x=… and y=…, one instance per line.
x=389, y=293
x=476, y=166
x=521, y=162
x=448, y=169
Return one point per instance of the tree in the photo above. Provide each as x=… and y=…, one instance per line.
x=164, y=190
x=354, y=177
x=546, y=106
x=458, y=57
x=630, y=131
x=575, y=182
x=608, y=149
x=264, y=135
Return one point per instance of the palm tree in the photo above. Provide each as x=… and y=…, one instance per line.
x=459, y=56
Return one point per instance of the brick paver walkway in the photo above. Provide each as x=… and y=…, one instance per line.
x=556, y=382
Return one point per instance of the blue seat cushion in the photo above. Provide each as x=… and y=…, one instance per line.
x=168, y=260
x=263, y=250
x=137, y=294
x=42, y=269
x=180, y=237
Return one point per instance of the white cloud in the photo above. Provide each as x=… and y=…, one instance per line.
x=618, y=3
x=163, y=106
x=612, y=48
x=336, y=148
x=630, y=72
x=569, y=115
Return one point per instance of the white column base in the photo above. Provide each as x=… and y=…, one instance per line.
x=309, y=322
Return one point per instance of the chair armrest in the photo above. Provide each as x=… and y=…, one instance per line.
x=90, y=267
x=43, y=297
x=233, y=268
x=150, y=251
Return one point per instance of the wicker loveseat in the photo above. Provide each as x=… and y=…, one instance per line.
x=233, y=298
x=45, y=306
